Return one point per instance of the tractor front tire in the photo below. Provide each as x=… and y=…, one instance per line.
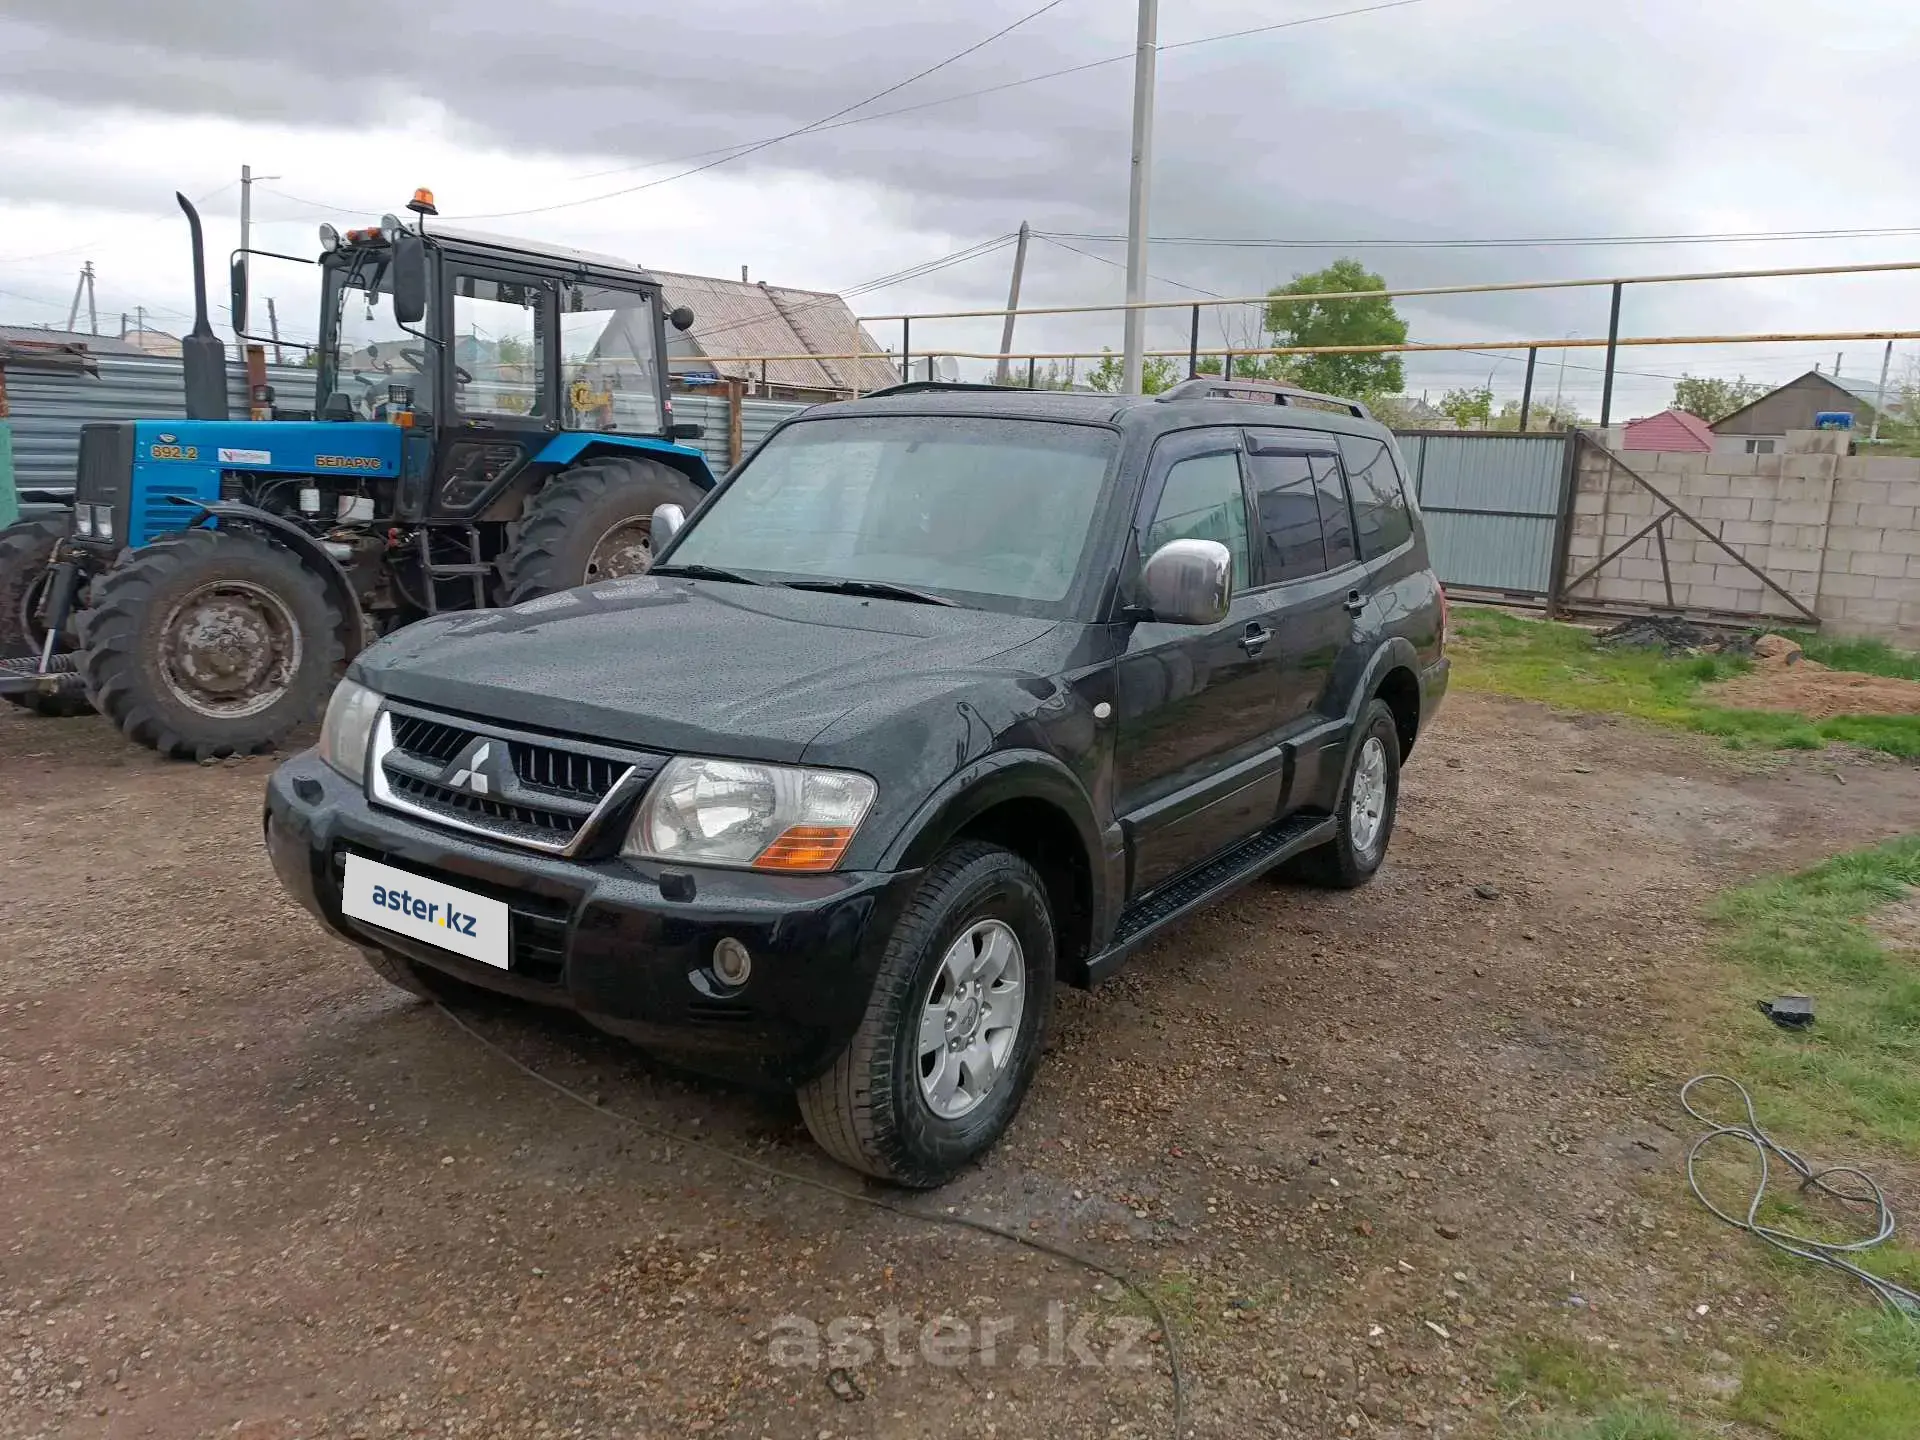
x=591, y=523
x=209, y=643
x=26, y=556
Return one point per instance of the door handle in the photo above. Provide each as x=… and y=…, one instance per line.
x=1254, y=640
x=1355, y=602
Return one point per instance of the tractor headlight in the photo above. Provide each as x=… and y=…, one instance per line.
x=83, y=520
x=103, y=522
x=348, y=728
x=736, y=812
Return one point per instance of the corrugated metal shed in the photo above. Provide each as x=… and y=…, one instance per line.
x=1669, y=430
x=731, y=317
x=49, y=409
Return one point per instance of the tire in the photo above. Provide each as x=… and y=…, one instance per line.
x=590, y=523
x=1342, y=864
x=188, y=700
x=26, y=553
x=870, y=1109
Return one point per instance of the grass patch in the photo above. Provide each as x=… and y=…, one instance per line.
x=1860, y=1065
x=1866, y=1386
x=1869, y=657
x=1562, y=665
x=1568, y=1376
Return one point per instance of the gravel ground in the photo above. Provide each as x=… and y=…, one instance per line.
x=1361, y=1144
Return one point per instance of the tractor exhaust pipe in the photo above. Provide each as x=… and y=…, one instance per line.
x=201, y=353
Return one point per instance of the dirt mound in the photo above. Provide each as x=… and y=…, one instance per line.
x=1675, y=636
x=1784, y=679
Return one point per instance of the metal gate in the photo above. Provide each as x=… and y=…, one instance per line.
x=1493, y=503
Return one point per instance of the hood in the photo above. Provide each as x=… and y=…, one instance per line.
x=684, y=665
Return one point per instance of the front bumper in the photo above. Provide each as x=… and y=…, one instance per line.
x=601, y=939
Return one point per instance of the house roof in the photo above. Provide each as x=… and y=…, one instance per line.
x=1857, y=391
x=1669, y=430
x=30, y=335
x=733, y=317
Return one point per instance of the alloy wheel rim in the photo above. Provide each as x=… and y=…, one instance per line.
x=1366, y=812
x=970, y=1019
x=229, y=649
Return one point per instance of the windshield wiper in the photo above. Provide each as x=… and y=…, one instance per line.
x=880, y=589
x=702, y=572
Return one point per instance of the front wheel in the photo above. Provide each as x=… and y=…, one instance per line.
x=952, y=1032
x=591, y=523
x=208, y=643
x=26, y=572
x=1369, y=801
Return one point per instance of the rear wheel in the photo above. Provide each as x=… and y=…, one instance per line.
x=591, y=523
x=26, y=555
x=1369, y=800
x=952, y=1032
x=210, y=642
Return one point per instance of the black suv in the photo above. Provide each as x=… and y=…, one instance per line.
x=942, y=697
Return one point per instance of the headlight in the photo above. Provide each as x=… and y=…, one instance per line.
x=735, y=812
x=103, y=521
x=83, y=520
x=345, y=732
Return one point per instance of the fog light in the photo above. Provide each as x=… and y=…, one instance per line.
x=731, y=962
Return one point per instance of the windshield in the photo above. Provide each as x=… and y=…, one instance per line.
x=993, y=513
x=370, y=353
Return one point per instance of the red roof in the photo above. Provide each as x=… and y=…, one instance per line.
x=1669, y=430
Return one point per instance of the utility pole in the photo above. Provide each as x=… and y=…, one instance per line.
x=1880, y=396
x=273, y=323
x=84, y=285
x=247, y=177
x=1145, y=56
x=1013, y=304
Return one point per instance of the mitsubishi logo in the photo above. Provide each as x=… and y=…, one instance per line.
x=467, y=773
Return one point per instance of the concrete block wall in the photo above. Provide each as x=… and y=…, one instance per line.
x=1840, y=533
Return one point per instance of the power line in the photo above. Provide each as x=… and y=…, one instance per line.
x=1727, y=237
x=833, y=122
x=100, y=240
x=772, y=140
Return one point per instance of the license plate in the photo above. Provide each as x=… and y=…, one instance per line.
x=423, y=909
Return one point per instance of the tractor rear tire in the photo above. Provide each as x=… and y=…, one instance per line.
x=208, y=643
x=26, y=552
x=591, y=523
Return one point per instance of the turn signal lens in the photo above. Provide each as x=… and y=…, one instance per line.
x=806, y=847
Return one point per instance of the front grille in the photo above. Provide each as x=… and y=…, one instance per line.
x=105, y=471
x=537, y=926
x=526, y=789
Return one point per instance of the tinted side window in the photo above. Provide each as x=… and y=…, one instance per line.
x=1202, y=500
x=1289, y=508
x=1336, y=521
x=1379, y=506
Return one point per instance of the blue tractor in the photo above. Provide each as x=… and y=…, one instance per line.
x=493, y=424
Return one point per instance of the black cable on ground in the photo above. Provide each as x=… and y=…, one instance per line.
x=1832, y=1254
x=875, y=1202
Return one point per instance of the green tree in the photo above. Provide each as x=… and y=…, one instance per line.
x=1156, y=373
x=1539, y=417
x=1277, y=368
x=1468, y=408
x=1714, y=399
x=1050, y=375
x=1371, y=321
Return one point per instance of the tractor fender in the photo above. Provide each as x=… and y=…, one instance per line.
x=311, y=552
x=566, y=450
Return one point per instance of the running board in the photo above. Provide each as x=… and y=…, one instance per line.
x=1208, y=882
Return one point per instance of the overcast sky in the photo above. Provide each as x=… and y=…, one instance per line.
x=1439, y=120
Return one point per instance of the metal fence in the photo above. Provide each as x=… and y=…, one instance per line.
x=757, y=417
x=47, y=410
x=1493, y=504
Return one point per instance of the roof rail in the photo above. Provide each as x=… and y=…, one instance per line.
x=915, y=387
x=1260, y=392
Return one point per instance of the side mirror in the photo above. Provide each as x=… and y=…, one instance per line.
x=238, y=297
x=1189, y=582
x=666, y=523
x=409, y=279
x=680, y=317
